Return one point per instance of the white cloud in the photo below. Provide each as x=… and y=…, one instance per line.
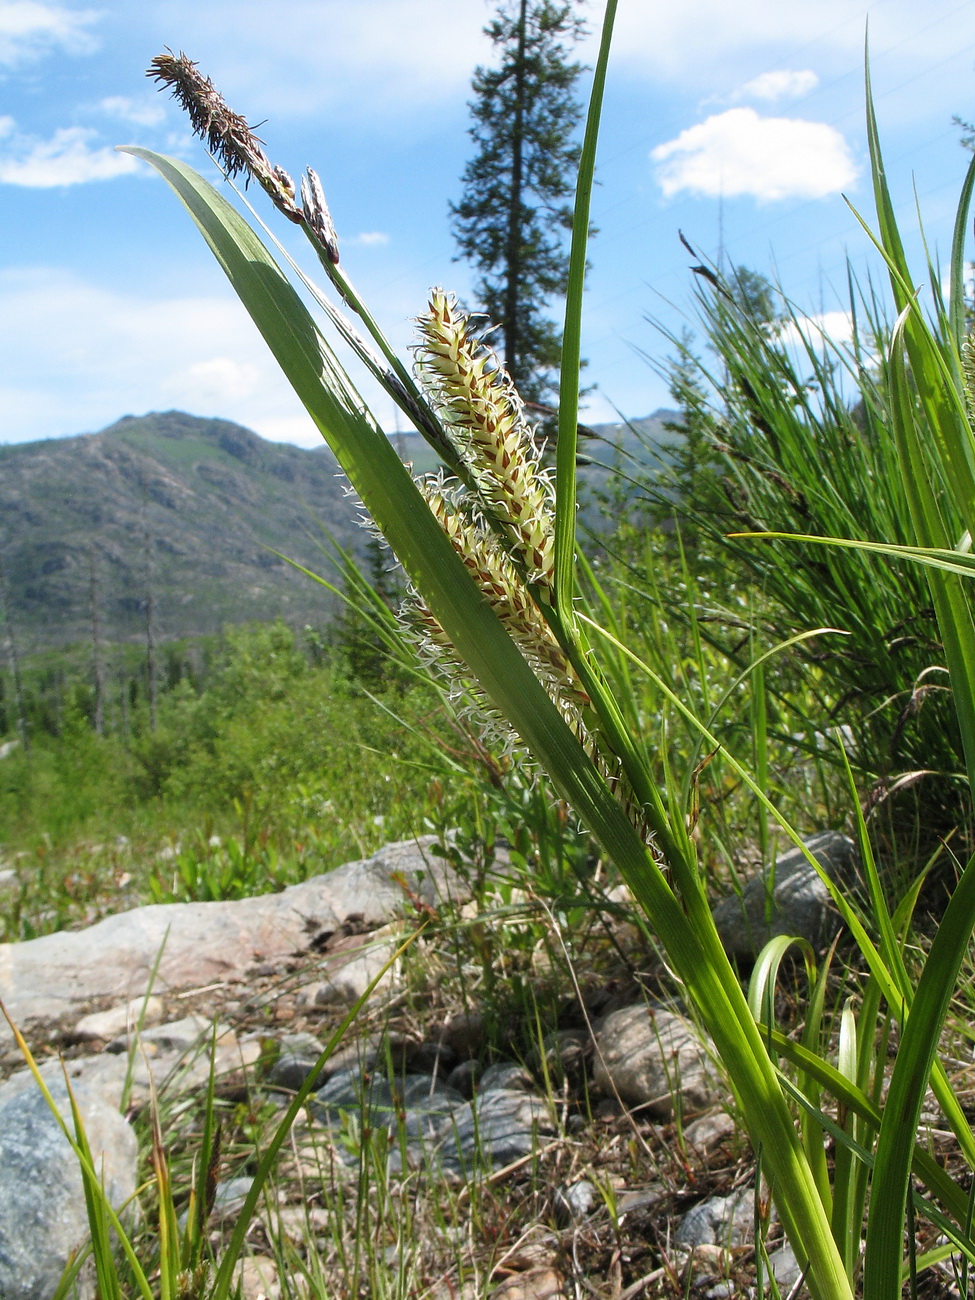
x=68, y=158
x=738, y=152
x=837, y=326
x=147, y=113
x=784, y=84
x=29, y=29
x=369, y=238
x=107, y=352
x=699, y=43
x=212, y=382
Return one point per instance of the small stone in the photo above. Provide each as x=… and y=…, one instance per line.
x=423, y=1058
x=297, y=1057
x=791, y=901
x=302, y=1223
x=463, y=1078
x=719, y=1221
x=464, y=1032
x=538, y=1284
x=426, y=1115
x=653, y=1057
x=359, y=1054
x=565, y=1053
x=349, y=967
x=190, y=1033
x=505, y=1076
x=708, y=1132
x=257, y=1277
x=575, y=1201
x=229, y=1197
x=785, y=1268
x=494, y=1130
x=118, y=1021
x=641, y=1198
x=724, y=1290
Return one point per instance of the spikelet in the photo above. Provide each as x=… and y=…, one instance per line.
x=482, y=410
x=497, y=579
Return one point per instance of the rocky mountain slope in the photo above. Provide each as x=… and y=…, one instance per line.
x=186, y=512
x=181, y=507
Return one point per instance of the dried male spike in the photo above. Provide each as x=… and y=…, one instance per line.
x=228, y=136
x=317, y=216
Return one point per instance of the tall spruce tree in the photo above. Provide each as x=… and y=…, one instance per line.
x=511, y=220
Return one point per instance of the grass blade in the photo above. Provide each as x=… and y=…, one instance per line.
x=565, y=520
x=912, y=1069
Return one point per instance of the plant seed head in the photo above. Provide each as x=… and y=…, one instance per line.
x=227, y=134
x=317, y=216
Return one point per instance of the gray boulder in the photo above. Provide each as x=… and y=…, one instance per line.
x=651, y=1057
x=42, y=1203
x=791, y=900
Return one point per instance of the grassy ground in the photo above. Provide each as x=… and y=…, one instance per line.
x=296, y=769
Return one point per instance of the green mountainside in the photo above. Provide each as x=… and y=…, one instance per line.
x=211, y=498
x=209, y=495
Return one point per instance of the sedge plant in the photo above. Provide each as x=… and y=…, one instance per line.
x=494, y=604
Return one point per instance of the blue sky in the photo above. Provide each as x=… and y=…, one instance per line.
x=743, y=118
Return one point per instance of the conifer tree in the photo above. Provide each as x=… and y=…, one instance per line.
x=511, y=220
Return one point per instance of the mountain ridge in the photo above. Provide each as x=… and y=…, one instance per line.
x=182, y=512
x=186, y=508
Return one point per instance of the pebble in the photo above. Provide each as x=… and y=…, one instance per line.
x=565, y=1053
x=494, y=1130
x=795, y=901
x=709, y=1131
x=506, y=1076
x=296, y=1059
x=118, y=1021
x=464, y=1032
x=574, y=1201
x=719, y=1221
x=229, y=1198
x=537, y=1284
x=192, y=1033
x=257, y=1277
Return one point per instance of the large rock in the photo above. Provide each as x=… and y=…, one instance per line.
x=51, y=978
x=42, y=1203
x=652, y=1057
x=791, y=900
x=116, y=1079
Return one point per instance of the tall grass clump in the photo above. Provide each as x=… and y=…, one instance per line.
x=496, y=605
x=791, y=452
